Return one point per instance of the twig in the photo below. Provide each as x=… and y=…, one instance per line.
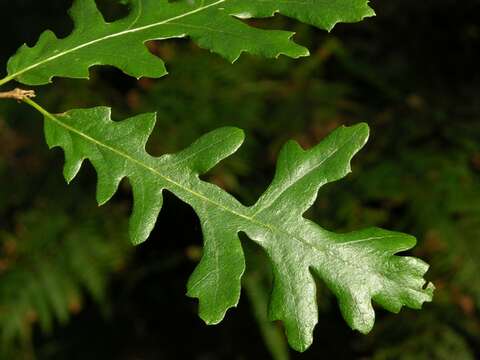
x=17, y=94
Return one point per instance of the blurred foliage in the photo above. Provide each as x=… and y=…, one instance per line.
x=419, y=174
x=55, y=254
x=46, y=267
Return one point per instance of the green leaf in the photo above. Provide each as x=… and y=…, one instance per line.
x=358, y=267
x=213, y=24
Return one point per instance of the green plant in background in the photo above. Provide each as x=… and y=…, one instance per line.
x=47, y=264
x=358, y=267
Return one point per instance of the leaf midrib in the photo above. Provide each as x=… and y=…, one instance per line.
x=128, y=31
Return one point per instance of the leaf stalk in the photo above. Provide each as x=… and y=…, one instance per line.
x=6, y=79
x=36, y=106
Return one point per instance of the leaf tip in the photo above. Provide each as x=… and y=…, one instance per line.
x=305, y=53
x=370, y=12
x=208, y=317
x=430, y=290
x=364, y=127
x=301, y=346
x=211, y=322
x=101, y=201
x=136, y=240
x=331, y=26
x=363, y=131
x=237, y=133
x=71, y=169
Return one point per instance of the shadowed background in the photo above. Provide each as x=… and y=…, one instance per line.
x=71, y=287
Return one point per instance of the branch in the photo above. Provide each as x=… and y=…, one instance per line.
x=17, y=94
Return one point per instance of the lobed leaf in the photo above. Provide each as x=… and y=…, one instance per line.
x=358, y=267
x=213, y=24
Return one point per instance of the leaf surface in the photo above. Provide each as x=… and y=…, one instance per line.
x=358, y=267
x=213, y=24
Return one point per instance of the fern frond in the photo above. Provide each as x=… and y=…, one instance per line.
x=49, y=266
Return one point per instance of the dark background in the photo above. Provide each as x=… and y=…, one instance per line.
x=71, y=287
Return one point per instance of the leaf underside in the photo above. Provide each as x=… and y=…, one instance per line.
x=215, y=25
x=358, y=267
